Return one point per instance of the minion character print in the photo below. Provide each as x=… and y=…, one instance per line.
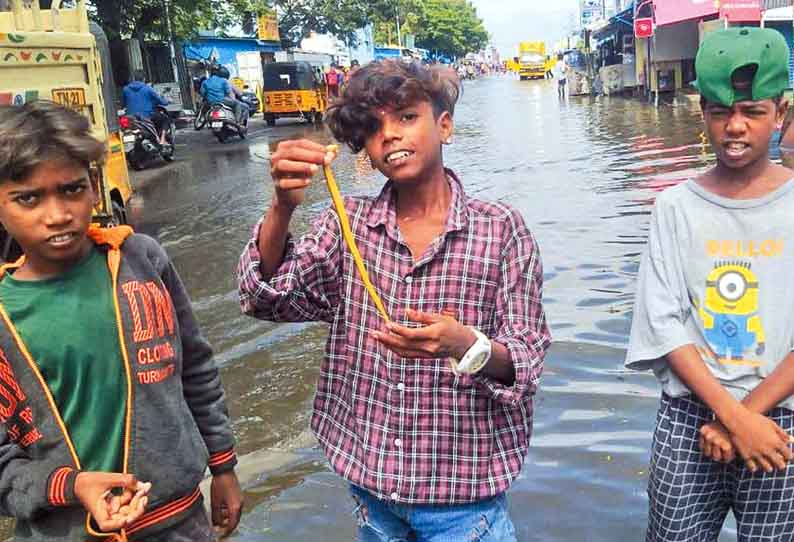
x=730, y=317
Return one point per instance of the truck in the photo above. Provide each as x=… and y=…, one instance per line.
x=532, y=60
x=57, y=54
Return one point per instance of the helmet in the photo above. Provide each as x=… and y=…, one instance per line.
x=220, y=71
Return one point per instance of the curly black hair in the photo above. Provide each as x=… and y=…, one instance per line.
x=389, y=83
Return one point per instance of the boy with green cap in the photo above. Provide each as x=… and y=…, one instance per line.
x=714, y=311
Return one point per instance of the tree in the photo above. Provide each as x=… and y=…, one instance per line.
x=298, y=18
x=385, y=13
x=451, y=27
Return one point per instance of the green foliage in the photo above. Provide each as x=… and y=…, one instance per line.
x=451, y=27
x=146, y=18
x=384, y=14
x=298, y=18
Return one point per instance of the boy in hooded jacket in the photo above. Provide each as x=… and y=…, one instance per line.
x=105, y=377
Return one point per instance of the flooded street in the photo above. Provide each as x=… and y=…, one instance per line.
x=583, y=173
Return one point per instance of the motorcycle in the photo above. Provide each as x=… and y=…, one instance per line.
x=201, y=114
x=142, y=142
x=223, y=124
x=249, y=98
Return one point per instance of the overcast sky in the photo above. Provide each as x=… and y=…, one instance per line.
x=511, y=21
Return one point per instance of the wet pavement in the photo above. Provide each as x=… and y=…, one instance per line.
x=584, y=174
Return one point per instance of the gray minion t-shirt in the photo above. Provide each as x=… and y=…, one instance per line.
x=718, y=273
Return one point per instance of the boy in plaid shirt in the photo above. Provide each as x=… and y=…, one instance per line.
x=429, y=451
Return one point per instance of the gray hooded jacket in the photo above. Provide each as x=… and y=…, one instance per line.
x=177, y=422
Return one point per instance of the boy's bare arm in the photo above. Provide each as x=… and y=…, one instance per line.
x=759, y=440
x=292, y=167
x=500, y=367
x=773, y=389
x=273, y=238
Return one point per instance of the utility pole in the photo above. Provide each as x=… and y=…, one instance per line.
x=171, y=41
x=399, y=33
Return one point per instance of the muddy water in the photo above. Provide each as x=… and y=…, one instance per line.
x=584, y=174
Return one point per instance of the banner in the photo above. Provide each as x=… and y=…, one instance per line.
x=268, y=27
x=744, y=11
x=676, y=11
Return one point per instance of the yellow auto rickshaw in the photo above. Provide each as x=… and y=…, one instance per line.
x=293, y=89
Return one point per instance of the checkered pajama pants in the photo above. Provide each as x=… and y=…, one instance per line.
x=690, y=495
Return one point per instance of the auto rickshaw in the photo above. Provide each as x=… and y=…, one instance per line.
x=293, y=89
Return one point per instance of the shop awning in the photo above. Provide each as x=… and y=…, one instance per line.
x=677, y=11
x=776, y=4
x=778, y=14
x=744, y=11
x=623, y=20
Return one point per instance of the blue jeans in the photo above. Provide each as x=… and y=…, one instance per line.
x=383, y=521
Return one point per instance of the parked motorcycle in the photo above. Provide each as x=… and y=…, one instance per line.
x=223, y=123
x=201, y=114
x=142, y=142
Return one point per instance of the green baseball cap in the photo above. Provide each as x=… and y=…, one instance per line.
x=724, y=52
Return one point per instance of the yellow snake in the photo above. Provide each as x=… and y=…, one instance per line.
x=344, y=221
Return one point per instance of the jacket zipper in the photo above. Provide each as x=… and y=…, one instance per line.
x=114, y=260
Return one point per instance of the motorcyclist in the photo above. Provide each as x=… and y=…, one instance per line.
x=141, y=100
x=217, y=89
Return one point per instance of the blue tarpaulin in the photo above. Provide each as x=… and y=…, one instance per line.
x=224, y=50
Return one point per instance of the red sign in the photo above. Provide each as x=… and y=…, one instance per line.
x=643, y=27
x=676, y=11
x=742, y=11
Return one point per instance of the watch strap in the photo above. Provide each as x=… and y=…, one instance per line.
x=473, y=360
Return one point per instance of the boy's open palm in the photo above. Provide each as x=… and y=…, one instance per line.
x=292, y=167
x=110, y=511
x=762, y=443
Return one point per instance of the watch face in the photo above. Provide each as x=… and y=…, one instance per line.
x=479, y=359
x=474, y=363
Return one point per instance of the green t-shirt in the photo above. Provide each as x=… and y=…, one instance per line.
x=68, y=324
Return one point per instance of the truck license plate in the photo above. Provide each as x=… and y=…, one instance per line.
x=73, y=98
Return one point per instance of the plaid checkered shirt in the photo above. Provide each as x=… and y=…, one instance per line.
x=409, y=430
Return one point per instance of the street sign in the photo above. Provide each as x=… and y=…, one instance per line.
x=589, y=11
x=643, y=27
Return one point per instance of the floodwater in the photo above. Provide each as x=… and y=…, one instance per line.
x=584, y=173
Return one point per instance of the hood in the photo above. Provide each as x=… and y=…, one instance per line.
x=112, y=237
x=136, y=86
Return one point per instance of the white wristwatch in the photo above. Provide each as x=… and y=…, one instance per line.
x=475, y=357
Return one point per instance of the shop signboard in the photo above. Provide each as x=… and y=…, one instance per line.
x=268, y=27
x=589, y=11
x=745, y=11
x=643, y=27
x=676, y=11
